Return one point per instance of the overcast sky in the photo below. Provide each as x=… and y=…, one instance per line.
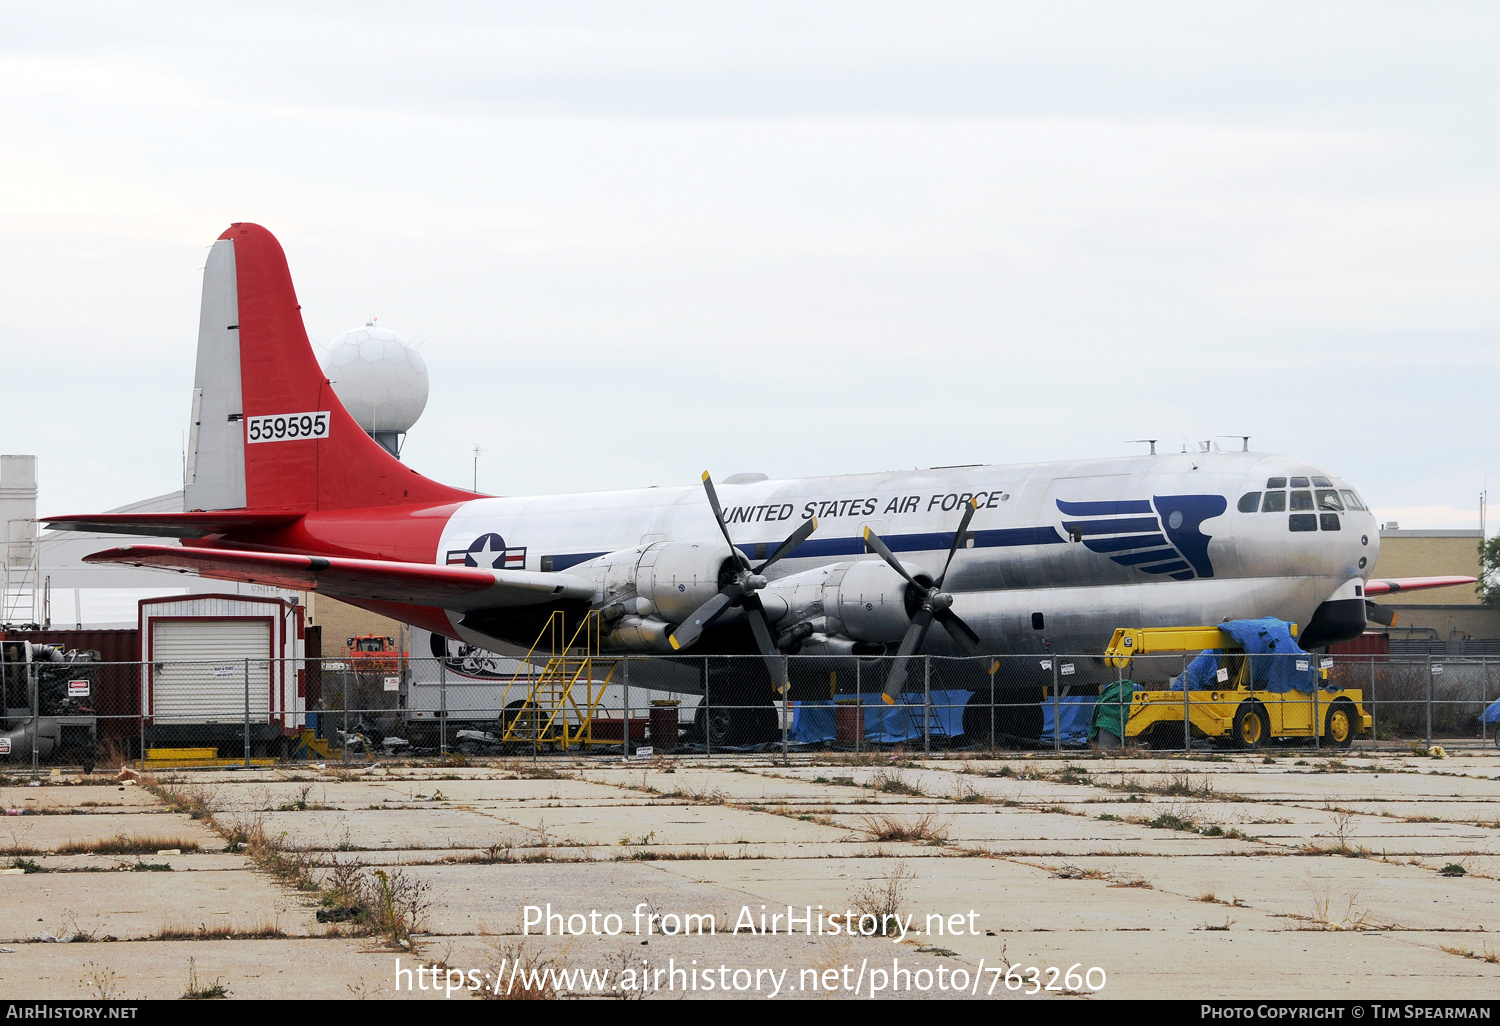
x=640, y=240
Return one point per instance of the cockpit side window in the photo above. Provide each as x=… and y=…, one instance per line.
x=1328, y=499
x=1275, y=502
x=1276, y=482
x=1351, y=500
x=1301, y=500
x=1249, y=502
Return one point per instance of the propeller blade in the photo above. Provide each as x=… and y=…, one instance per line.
x=960, y=632
x=958, y=540
x=872, y=541
x=763, y=640
x=713, y=502
x=895, y=680
x=687, y=632
x=796, y=538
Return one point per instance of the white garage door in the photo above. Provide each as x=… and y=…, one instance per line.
x=199, y=670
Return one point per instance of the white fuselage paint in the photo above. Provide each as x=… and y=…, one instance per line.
x=1258, y=567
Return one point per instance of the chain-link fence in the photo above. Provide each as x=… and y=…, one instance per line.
x=265, y=712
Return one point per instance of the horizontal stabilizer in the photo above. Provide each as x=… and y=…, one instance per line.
x=1391, y=585
x=174, y=525
x=456, y=588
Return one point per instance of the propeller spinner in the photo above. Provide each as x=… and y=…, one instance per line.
x=740, y=591
x=935, y=604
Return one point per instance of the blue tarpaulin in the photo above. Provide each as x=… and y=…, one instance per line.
x=1075, y=713
x=885, y=724
x=1492, y=714
x=1284, y=666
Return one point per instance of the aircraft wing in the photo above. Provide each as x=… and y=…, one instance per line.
x=1391, y=585
x=457, y=588
x=174, y=525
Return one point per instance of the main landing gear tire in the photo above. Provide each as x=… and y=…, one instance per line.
x=1338, y=728
x=1251, y=726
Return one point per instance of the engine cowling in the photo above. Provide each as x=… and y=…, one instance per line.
x=664, y=581
x=864, y=600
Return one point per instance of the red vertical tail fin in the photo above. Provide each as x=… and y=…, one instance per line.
x=268, y=431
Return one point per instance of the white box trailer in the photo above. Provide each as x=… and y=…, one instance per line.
x=200, y=652
x=476, y=686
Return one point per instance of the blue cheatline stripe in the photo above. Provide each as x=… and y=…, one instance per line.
x=1167, y=568
x=1154, y=556
x=1131, y=541
x=1131, y=525
x=1005, y=537
x=1104, y=509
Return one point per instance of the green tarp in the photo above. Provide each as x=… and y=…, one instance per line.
x=1112, y=710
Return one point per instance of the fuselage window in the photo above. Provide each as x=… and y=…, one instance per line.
x=1276, y=482
x=1275, y=502
x=1322, y=482
x=1302, y=522
x=1299, y=482
x=1351, y=501
x=1329, y=499
x=1301, y=500
x=1330, y=521
x=1249, y=502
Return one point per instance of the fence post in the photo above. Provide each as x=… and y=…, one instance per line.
x=786, y=710
x=247, y=713
x=443, y=704
x=1429, y=699
x=1187, y=708
x=1056, y=706
x=1374, y=722
x=708, y=710
x=344, y=741
x=625, y=713
x=927, y=705
x=859, y=709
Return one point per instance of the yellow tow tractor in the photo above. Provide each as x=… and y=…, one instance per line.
x=1235, y=712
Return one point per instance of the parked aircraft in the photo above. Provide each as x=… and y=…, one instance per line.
x=284, y=488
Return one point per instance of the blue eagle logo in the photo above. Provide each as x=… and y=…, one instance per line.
x=1159, y=536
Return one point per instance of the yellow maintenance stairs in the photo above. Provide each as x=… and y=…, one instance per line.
x=1234, y=712
x=563, y=692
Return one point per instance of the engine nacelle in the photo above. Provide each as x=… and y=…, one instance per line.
x=865, y=600
x=663, y=580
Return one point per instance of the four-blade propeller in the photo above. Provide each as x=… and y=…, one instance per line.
x=933, y=604
x=740, y=591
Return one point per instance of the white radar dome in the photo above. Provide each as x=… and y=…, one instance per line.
x=379, y=378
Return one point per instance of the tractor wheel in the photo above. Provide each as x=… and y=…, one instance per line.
x=1338, y=729
x=1251, y=727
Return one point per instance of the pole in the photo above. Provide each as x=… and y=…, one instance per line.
x=344, y=744
x=1056, y=709
x=786, y=709
x=1187, y=708
x=1429, y=699
x=859, y=708
x=247, y=713
x=625, y=726
x=927, y=705
x=1374, y=722
x=36, y=714
x=443, y=704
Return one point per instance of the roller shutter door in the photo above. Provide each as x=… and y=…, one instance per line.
x=199, y=670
